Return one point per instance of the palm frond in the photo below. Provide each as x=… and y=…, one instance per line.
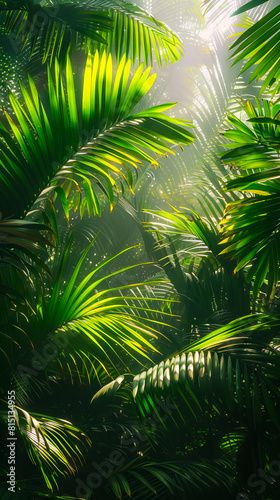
x=53, y=27
x=209, y=283
x=55, y=446
x=259, y=44
x=174, y=477
x=255, y=145
x=124, y=28
x=214, y=8
x=250, y=224
x=184, y=224
x=98, y=133
x=250, y=227
x=212, y=370
x=20, y=242
x=140, y=36
x=249, y=5
x=108, y=390
x=108, y=323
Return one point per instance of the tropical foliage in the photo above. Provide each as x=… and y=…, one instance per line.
x=123, y=28
x=139, y=304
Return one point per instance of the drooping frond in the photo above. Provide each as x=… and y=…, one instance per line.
x=53, y=27
x=212, y=370
x=124, y=28
x=250, y=225
x=260, y=45
x=56, y=446
x=140, y=36
x=20, y=241
x=175, y=477
x=250, y=228
x=209, y=281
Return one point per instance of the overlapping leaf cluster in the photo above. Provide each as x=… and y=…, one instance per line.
x=207, y=343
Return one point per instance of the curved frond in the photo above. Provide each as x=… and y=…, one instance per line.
x=175, y=477
x=210, y=284
x=139, y=35
x=187, y=225
x=250, y=228
x=52, y=27
x=124, y=28
x=260, y=45
x=55, y=446
x=20, y=241
x=108, y=390
x=257, y=144
x=250, y=225
x=204, y=378
x=84, y=315
x=87, y=138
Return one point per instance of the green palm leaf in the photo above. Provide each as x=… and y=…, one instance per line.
x=210, y=284
x=109, y=325
x=250, y=5
x=20, y=242
x=55, y=446
x=257, y=144
x=140, y=36
x=260, y=45
x=184, y=224
x=124, y=28
x=107, y=391
x=53, y=27
x=212, y=370
x=178, y=477
x=250, y=225
x=87, y=138
x=250, y=228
